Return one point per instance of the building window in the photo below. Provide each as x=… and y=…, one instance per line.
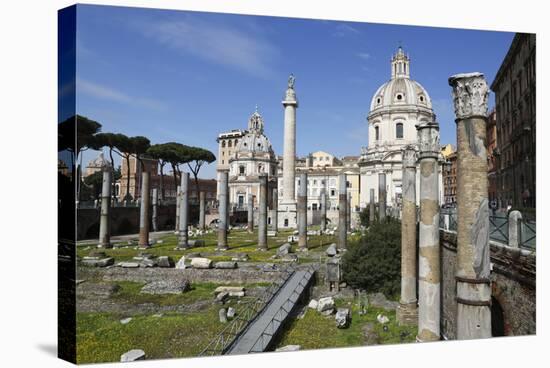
x=332, y=192
x=241, y=170
x=399, y=130
x=229, y=144
x=421, y=98
x=223, y=144
x=399, y=97
x=378, y=100
x=377, y=133
x=314, y=206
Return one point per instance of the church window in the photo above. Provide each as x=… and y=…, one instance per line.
x=399, y=96
x=241, y=170
x=421, y=98
x=378, y=100
x=377, y=133
x=399, y=130
x=229, y=144
x=235, y=143
x=223, y=144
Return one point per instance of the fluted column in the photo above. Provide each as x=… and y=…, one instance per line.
x=342, y=211
x=145, y=202
x=407, y=312
x=184, y=211
x=470, y=94
x=223, y=210
x=262, y=212
x=381, y=196
x=429, y=279
x=302, y=212
x=105, y=219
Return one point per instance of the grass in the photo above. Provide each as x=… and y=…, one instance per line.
x=102, y=338
x=240, y=241
x=315, y=331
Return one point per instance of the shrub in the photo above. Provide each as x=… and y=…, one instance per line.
x=364, y=216
x=374, y=262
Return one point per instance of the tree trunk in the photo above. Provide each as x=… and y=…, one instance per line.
x=162, y=181
x=195, y=172
x=127, y=197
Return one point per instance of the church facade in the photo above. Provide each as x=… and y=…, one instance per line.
x=396, y=108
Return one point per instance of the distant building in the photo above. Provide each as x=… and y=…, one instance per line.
x=95, y=165
x=515, y=101
x=492, y=148
x=449, y=174
x=168, y=182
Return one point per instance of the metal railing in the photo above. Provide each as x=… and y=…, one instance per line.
x=245, y=316
x=498, y=227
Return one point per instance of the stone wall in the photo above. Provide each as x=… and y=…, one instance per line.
x=513, y=283
x=125, y=220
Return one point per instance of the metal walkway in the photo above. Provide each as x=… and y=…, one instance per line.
x=254, y=328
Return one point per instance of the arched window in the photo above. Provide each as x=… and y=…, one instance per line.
x=229, y=144
x=399, y=130
x=223, y=144
x=377, y=133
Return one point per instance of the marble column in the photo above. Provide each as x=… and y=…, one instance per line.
x=262, y=218
x=105, y=219
x=222, y=209
x=342, y=211
x=407, y=311
x=302, y=212
x=202, y=210
x=274, y=210
x=323, y=210
x=145, y=202
x=473, y=285
x=250, y=212
x=371, y=207
x=381, y=196
x=287, y=208
x=155, y=201
x=184, y=212
x=348, y=211
x=177, y=226
x=429, y=279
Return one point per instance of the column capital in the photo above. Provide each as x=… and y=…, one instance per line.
x=409, y=156
x=470, y=95
x=428, y=139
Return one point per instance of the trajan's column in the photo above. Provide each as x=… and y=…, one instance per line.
x=287, y=208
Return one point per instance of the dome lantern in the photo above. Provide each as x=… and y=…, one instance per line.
x=400, y=65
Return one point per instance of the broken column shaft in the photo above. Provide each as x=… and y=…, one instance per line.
x=154, y=216
x=381, y=196
x=274, y=209
x=250, y=213
x=144, y=210
x=429, y=283
x=302, y=212
x=323, y=210
x=202, y=210
x=342, y=211
x=371, y=207
x=407, y=312
x=262, y=218
x=105, y=219
x=223, y=210
x=184, y=211
x=473, y=286
x=177, y=227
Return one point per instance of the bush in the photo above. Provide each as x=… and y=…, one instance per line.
x=374, y=263
x=364, y=216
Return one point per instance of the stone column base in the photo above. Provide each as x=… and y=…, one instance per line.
x=407, y=314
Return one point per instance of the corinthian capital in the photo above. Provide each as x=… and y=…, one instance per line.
x=470, y=94
x=409, y=156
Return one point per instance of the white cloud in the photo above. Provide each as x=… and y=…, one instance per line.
x=220, y=44
x=364, y=55
x=344, y=29
x=107, y=93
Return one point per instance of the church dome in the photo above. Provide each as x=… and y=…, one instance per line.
x=400, y=90
x=254, y=140
x=98, y=162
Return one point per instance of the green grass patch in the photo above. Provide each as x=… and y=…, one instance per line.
x=315, y=331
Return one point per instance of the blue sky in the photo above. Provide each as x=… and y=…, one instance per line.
x=187, y=76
